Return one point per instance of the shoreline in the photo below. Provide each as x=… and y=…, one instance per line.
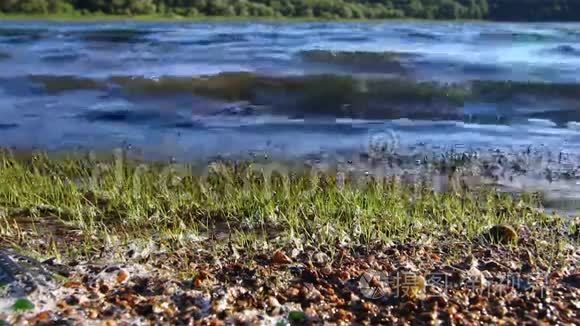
x=132, y=242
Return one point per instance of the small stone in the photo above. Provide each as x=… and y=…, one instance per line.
x=312, y=295
x=72, y=300
x=161, y=307
x=312, y=316
x=370, y=307
x=93, y=314
x=43, y=316
x=502, y=310
x=281, y=258
x=321, y=258
x=295, y=253
x=69, y=312
x=344, y=315
x=326, y=270
x=104, y=289
x=354, y=298
x=502, y=233
x=310, y=275
x=72, y=285
x=344, y=276
x=293, y=292
x=216, y=322
x=122, y=276
x=273, y=302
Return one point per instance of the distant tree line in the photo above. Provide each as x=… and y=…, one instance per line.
x=534, y=10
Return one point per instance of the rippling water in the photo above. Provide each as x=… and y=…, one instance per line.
x=295, y=89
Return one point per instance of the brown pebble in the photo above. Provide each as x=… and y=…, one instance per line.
x=69, y=312
x=93, y=314
x=72, y=285
x=370, y=307
x=216, y=322
x=344, y=315
x=281, y=258
x=62, y=304
x=452, y=310
x=293, y=292
x=104, y=288
x=43, y=316
x=344, y=276
x=122, y=276
x=502, y=311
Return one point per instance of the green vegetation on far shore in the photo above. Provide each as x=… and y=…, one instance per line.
x=164, y=18
x=495, y=10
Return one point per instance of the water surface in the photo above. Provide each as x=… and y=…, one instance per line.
x=197, y=90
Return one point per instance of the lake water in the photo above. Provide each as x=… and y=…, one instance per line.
x=298, y=90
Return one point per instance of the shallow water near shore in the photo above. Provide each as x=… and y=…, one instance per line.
x=314, y=91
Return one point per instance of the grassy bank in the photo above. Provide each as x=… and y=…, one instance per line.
x=299, y=239
x=114, y=195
